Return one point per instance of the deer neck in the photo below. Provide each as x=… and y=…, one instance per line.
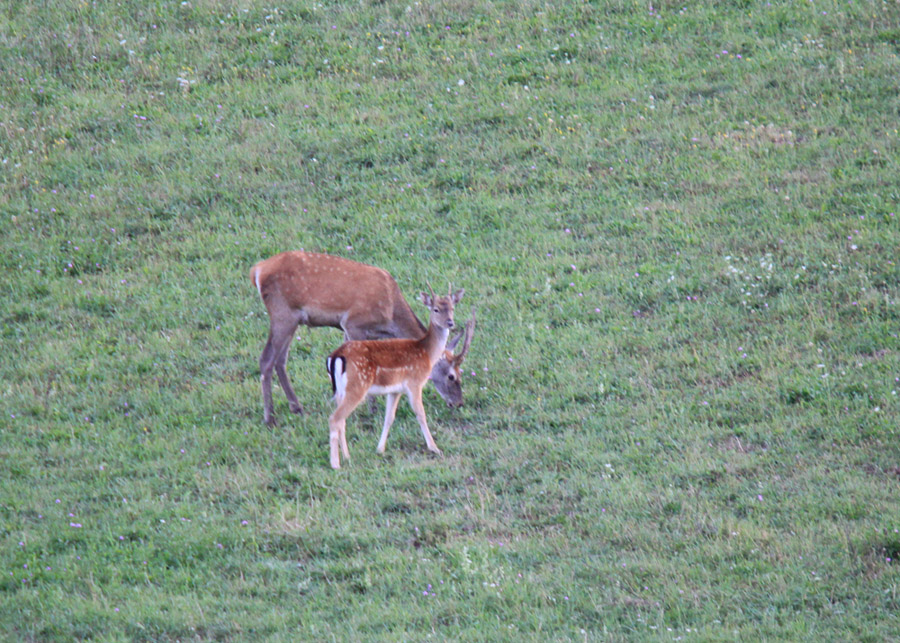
x=434, y=342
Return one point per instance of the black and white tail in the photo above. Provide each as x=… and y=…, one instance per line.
x=337, y=369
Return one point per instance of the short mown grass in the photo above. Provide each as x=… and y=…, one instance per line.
x=678, y=225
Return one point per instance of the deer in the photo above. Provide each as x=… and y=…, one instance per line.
x=388, y=367
x=365, y=302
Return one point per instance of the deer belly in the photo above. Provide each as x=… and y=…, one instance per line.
x=376, y=389
x=312, y=316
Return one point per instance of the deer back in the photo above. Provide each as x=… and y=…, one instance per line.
x=323, y=290
x=383, y=363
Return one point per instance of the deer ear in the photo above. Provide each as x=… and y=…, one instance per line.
x=458, y=295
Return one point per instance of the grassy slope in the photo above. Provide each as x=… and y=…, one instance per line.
x=678, y=227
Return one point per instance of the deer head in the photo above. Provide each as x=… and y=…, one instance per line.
x=447, y=375
x=441, y=308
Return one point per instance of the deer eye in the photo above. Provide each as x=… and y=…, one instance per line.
x=451, y=377
x=437, y=310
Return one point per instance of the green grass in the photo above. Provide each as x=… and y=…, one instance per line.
x=678, y=225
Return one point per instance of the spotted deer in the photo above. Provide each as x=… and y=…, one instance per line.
x=391, y=367
x=364, y=301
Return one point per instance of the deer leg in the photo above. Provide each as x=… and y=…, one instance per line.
x=281, y=371
x=390, y=411
x=344, y=449
x=335, y=430
x=265, y=381
x=415, y=399
x=282, y=325
x=337, y=427
x=266, y=365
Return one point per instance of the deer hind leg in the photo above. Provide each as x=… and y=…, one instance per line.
x=266, y=365
x=415, y=399
x=281, y=371
x=344, y=449
x=274, y=357
x=336, y=429
x=337, y=426
x=390, y=411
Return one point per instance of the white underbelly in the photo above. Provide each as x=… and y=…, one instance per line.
x=385, y=390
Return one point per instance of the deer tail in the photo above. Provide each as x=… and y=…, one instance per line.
x=337, y=370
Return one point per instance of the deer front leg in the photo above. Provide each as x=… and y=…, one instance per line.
x=415, y=399
x=390, y=411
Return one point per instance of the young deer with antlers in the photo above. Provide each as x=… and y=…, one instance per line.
x=388, y=367
x=364, y=301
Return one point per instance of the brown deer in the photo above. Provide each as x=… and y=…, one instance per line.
x=388, y=367
x=364, y=301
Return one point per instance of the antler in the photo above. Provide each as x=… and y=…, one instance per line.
x=467, y=340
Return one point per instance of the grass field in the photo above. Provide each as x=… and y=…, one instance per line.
x=678, y=223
